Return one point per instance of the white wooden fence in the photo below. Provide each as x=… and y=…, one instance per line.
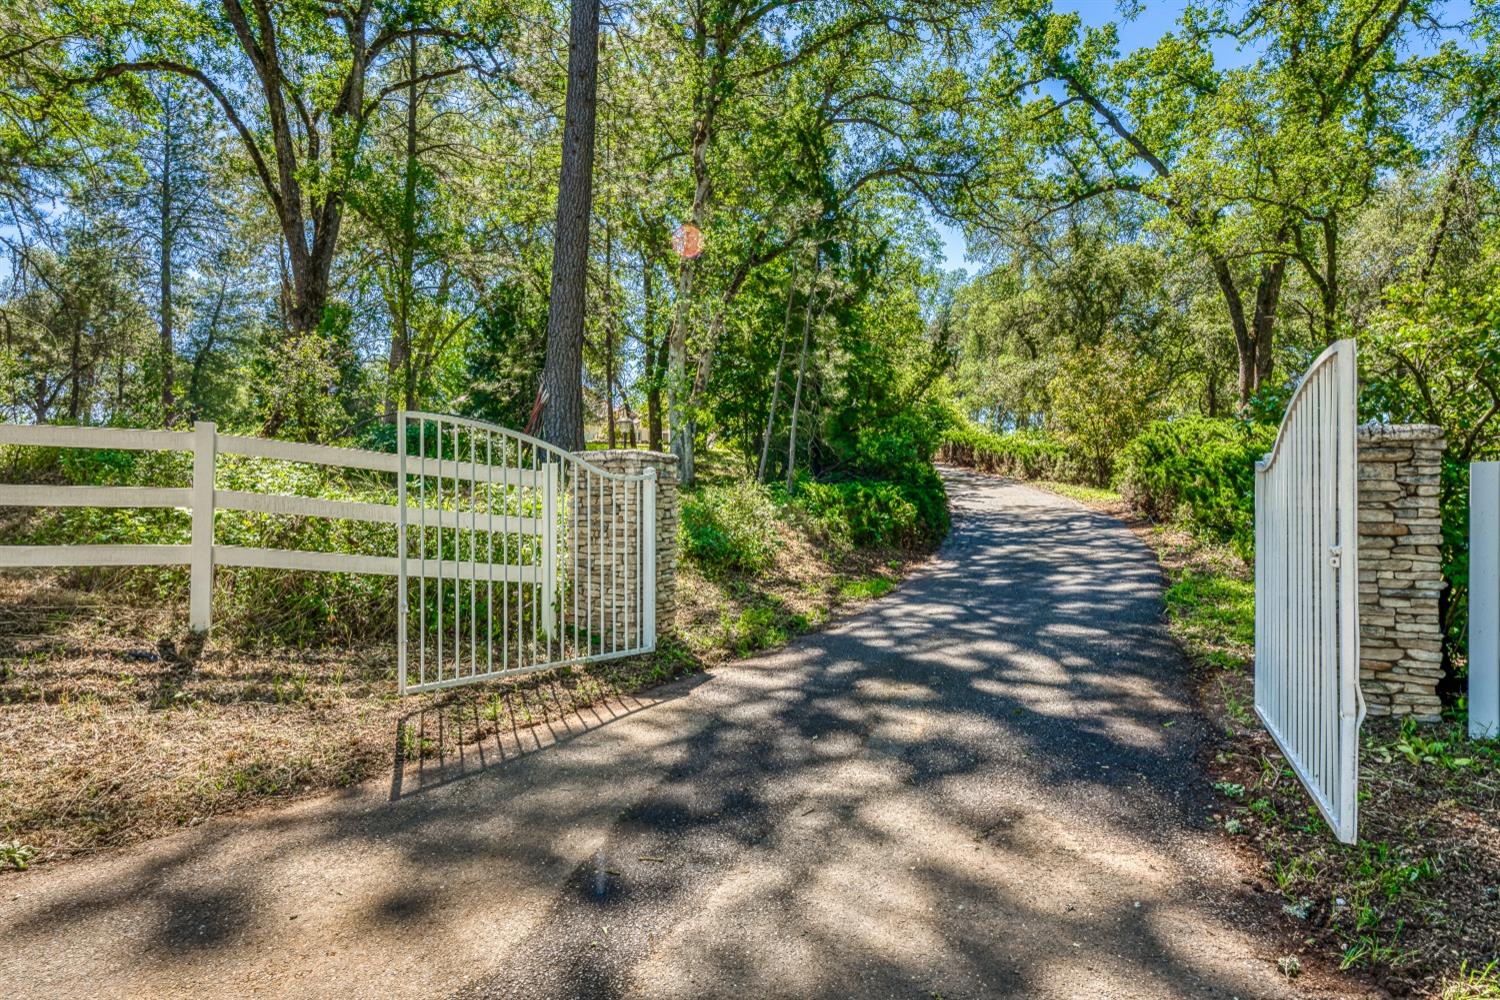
x=202, y=499
x=1307, y=588
x=1484, y=600
x=490, y=522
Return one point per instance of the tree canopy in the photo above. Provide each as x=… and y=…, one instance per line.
x=300, y=217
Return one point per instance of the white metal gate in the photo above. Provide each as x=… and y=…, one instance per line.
x=516, y=556
x=1307, y=588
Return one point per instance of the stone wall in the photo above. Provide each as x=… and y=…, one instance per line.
x=608, y=554
x=1400, y=569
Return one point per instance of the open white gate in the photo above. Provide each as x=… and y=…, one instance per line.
x=516, y=556
x=1307, y=588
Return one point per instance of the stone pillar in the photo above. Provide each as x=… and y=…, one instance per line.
x=1400, y=569
x=608, y=550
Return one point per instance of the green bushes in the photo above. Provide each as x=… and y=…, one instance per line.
x=1021, y=454
x=1200, y=470
x=864, y=513
x=730, y=528
x=252, y=607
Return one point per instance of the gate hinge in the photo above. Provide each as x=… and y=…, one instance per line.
x=1333, y=556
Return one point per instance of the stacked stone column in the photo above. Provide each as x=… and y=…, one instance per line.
x=1400, y=569
x=603, y=526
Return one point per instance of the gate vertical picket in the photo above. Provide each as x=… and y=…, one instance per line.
x=1484, y=600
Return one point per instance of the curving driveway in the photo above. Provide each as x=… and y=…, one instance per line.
x=983, y=785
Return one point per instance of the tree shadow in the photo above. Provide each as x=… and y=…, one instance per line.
x=985, y=785
x=468, y=733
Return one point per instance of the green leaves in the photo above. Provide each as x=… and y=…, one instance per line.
x=1200, y=470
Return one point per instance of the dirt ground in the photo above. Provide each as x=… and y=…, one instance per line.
x=116, y=725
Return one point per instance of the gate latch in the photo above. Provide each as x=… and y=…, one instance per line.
x=1333, y=556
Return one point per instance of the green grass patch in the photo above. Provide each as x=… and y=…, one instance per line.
x=866, y=588
x=1213, y=615
x=1079, y=492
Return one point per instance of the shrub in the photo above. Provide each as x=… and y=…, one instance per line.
x=1201, y=470
x=898, y=445
x=910, y=513
x=729, y=528
x=1021, y=454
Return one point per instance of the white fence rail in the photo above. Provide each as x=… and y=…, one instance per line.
x=1307, y=588
x=1484, y=600
x=563, y=552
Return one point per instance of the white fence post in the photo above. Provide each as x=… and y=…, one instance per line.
x=205, y=448
x=1484, y=599
x=648, y=559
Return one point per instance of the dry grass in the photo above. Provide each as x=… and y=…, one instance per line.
x=116, y=726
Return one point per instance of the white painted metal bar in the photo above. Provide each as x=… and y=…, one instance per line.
x=1484, y=600
x=404, y=610
x=549, y=550
x=94, y=496
x=648, y=546
x=505, y=555
x=1307, y=588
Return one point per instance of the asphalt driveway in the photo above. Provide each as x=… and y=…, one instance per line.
x=984, y=785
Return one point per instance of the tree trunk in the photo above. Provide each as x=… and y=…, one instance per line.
x=75, y=384
x=164, y=262
x=1254, y=338
x=655, y=360
x=1267, y=298
x=682, y=422
x=609, y=326
x=1330, y=279
x=786, y=327
x=791, y=446
x=562, y=377
x=400, y=377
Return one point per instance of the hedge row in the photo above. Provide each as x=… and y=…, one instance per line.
x=1197, y=470
x=1201, y=471
x=1023, y=454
